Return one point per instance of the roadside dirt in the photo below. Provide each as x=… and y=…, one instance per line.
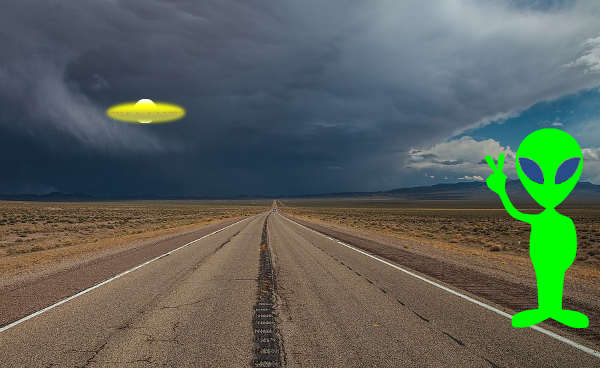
x=29, y=267
x=41, y=236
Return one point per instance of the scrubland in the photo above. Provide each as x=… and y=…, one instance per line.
x=37, y=233
x=472, y=228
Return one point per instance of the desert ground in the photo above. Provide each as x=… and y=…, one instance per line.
x=36, y=234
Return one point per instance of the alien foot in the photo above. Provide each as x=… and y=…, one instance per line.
x=529, y=318
x=571, y=318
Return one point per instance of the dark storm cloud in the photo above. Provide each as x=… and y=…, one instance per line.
x=281, y=97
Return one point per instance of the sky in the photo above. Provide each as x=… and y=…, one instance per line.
x=289, y=97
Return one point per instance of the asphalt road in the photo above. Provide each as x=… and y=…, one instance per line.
x=281, y=295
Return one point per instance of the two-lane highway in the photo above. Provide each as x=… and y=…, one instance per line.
x=205, y=305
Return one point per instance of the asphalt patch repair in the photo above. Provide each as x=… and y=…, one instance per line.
x=267, y=344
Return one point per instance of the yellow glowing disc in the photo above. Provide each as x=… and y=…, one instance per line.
x=145, y=111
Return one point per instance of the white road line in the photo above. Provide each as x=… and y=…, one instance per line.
x=41, y=311
x=454, y=292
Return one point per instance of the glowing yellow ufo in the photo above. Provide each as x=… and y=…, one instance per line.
x=145, y=111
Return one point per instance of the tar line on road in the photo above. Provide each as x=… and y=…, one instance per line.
x=267, y=344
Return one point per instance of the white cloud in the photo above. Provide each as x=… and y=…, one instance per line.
x=471, y=178
x=587, y=132
x=462, y=158
x=591, y=154
x=590, y=59
x=550, y=123
x=591, y=165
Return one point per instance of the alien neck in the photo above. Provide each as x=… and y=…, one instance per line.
x=550, y=210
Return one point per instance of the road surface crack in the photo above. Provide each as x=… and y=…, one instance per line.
x=94, y=354
x=183, y=304
x=456, y=340
x=420, y=316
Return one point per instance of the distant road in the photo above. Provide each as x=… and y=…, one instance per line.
x=244, y=294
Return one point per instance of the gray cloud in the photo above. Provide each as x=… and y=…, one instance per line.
x=276, y=94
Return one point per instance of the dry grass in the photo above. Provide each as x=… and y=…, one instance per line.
x=483, y=226
x=34, y=233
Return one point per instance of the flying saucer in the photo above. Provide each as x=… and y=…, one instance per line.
x=146, y=111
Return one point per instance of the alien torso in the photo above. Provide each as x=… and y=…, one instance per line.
x=553, y=241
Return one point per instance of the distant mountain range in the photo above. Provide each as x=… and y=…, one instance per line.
x=83, y=197
x=480, y=191
x=473, y=190
x=54, y=196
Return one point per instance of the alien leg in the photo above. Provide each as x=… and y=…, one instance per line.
x=549, y=299
x=550, y=282
x=553, y=302
x=571, y=318
x=529, y=318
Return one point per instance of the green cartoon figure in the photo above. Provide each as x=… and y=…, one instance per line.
x=549, y=164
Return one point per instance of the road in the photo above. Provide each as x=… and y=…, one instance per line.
x=266, y=292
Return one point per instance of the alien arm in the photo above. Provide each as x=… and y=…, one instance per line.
x=512, y=210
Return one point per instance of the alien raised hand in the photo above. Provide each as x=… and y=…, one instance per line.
x=549, y=163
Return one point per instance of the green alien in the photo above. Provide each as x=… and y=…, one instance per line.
x=549, y=164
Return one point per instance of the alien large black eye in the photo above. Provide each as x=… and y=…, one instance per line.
x=532, y=170
x=566, y=170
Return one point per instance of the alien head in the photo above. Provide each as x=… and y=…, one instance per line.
x=549, y=163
